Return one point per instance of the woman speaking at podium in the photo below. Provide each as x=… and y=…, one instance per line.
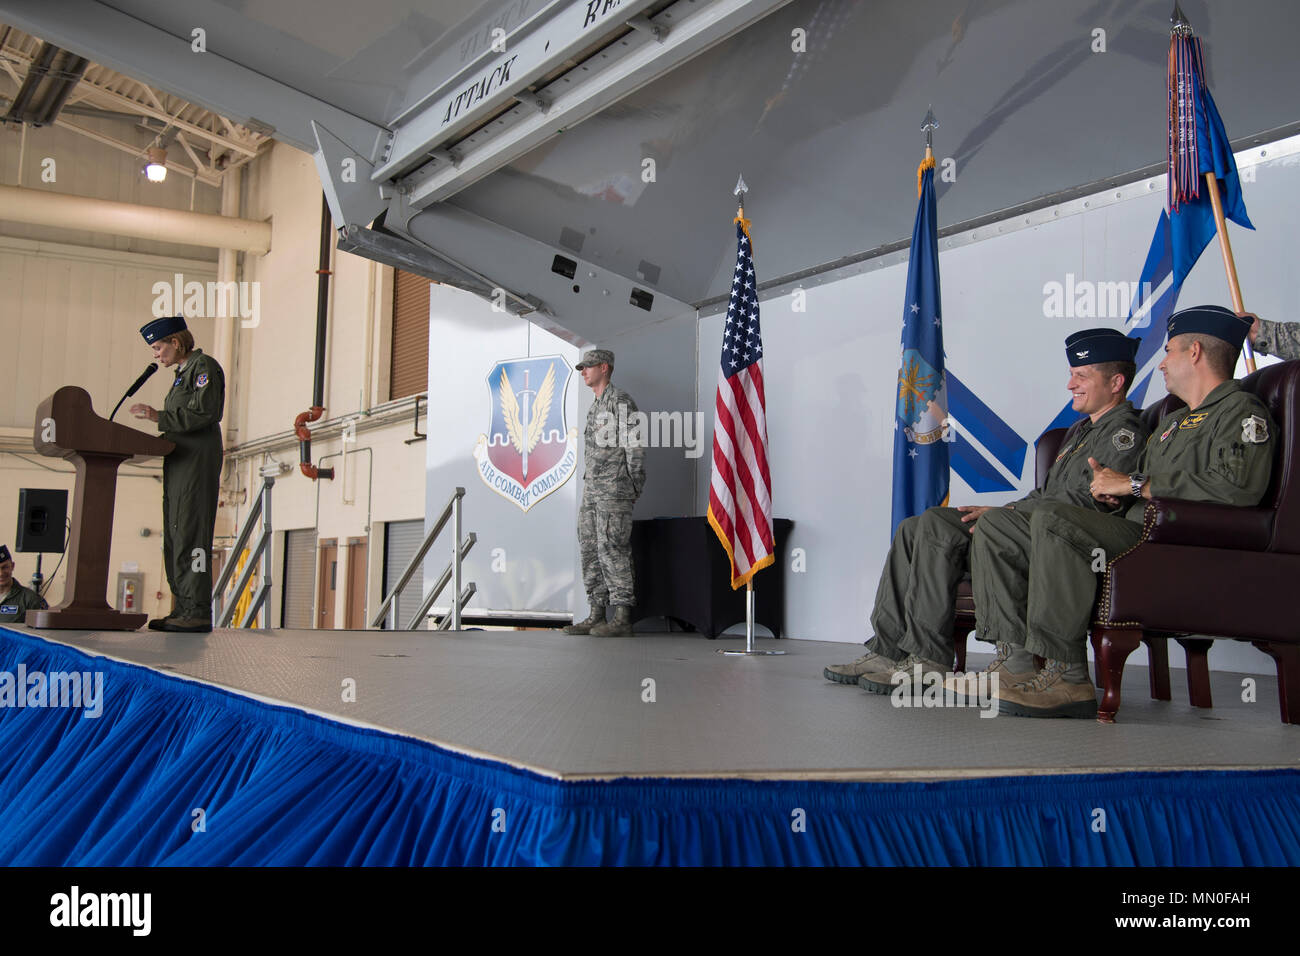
x=189, y=417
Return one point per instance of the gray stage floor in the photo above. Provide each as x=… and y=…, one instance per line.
x=573, y=707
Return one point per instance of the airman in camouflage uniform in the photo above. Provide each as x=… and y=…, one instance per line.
x=613, y=479
x=931, y=552
x=1218, y=449
x=1275, y=338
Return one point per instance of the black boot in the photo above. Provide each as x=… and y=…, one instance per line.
x=596, y=617
x=621, y=626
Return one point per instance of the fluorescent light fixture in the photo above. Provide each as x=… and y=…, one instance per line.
x=156, y=168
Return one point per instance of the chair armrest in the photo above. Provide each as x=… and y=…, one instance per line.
x=1208, y=525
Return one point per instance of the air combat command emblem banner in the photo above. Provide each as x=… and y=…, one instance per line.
x=528, y=451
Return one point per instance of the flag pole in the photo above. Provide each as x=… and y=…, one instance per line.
x=750, y=650
x=1182, y=27
x=1229, y=266
x=749, y=616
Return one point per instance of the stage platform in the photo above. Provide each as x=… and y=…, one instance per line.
x=639, y=729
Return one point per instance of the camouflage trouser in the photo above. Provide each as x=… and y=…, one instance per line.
x=605, y=541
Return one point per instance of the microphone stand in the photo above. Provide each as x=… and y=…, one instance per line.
x=144, y=377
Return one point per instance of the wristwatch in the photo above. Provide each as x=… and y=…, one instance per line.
x=1135, y=482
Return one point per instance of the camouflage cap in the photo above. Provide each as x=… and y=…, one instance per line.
x=596, y=357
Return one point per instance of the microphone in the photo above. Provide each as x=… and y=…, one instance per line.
x=135, y=387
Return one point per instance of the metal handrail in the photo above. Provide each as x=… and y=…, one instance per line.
x=261, y=554
x=455, y=608
x=451, y=511
x=438, y=585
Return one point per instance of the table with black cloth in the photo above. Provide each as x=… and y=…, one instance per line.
x=682, y=574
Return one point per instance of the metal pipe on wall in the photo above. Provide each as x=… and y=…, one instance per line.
x=42, y=208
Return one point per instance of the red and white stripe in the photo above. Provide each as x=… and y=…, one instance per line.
x=740, y=495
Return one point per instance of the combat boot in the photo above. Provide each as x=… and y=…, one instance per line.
x=597, y=616
x=187, y=625
x=621, y=626
x=1058, y=690
x=904, y=673
x=850, y=672
x=158, y=623
x=965, y=684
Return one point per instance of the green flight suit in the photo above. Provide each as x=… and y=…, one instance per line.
x=1001, y=542
x=15, y=605
x=931, y=552
x=190, y=417
x=1222, y=451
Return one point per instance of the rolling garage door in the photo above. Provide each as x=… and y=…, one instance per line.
x=401, y=541
x=298, y=607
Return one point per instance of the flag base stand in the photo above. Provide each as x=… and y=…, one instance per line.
x=750, y=650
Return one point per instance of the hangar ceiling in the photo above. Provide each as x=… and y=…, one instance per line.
x=817, y=102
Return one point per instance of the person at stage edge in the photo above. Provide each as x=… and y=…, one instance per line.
x=612, y=482
x=915, y=601
x=15, y=600
x=1274, y=338
x=1218, y=449
x=190, y=417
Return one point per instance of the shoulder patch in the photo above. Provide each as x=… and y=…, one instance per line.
x=1254, y=430
x=8, y=608
x=1124, y=439
x=201, y=379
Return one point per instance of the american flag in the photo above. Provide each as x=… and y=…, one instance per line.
x=740, y=496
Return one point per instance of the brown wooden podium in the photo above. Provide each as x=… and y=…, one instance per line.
x=67, y=427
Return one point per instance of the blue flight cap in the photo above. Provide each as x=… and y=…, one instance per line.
x=161, y=328
x=4, y=554
x=1093, y=346
x=1211, y=320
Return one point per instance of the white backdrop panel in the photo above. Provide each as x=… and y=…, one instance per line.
x=831, y=374
x=535, y=567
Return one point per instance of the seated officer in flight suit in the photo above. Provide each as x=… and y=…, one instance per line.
x=930, y=553
x=15, y=600
x=1219, y=449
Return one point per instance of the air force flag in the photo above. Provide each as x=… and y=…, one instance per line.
x=920, y=427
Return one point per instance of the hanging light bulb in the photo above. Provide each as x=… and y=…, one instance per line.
x=156, y=168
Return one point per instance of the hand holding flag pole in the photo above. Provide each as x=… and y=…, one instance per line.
x=1199, y=154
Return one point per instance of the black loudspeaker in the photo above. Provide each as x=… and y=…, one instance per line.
x=42, y=520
